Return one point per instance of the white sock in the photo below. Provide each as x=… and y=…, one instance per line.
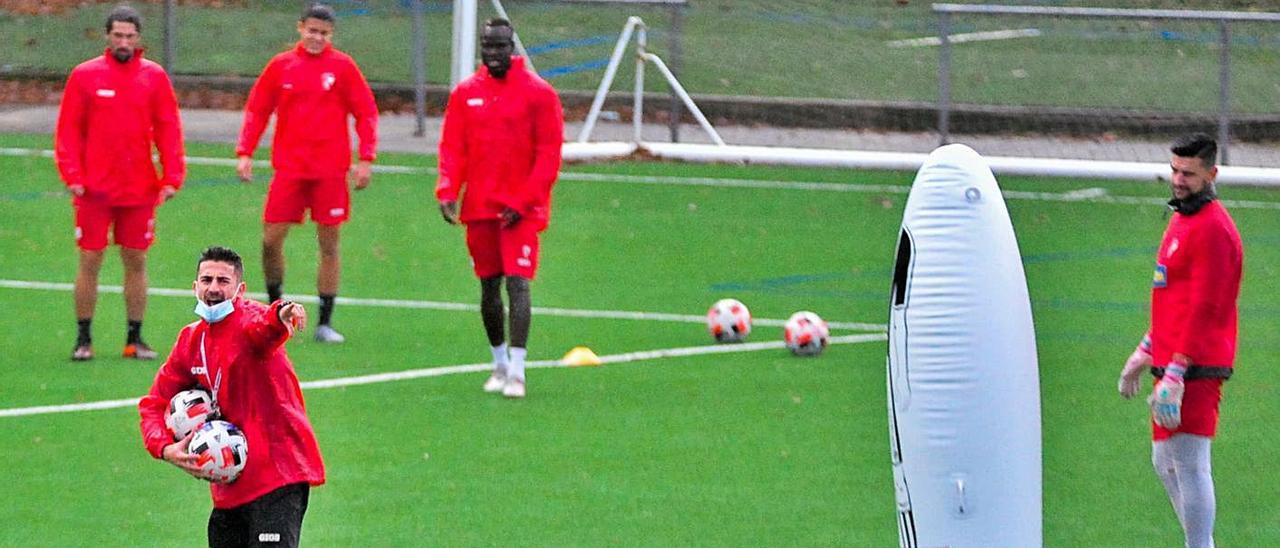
x=1193, y=497
x=499, y=358
x=515, y=369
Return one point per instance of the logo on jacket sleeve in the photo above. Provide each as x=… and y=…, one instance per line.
x=475, y=101
x=106, y=93
x=327, y=80
x=1161, y=277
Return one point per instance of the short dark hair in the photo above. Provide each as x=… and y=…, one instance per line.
x=222, y=255
x=125, y=13
x=498, y=22
x=1199, y=145
x=319, y=11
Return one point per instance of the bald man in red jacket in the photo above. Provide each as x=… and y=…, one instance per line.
x=314, y=90
x=115, y=108
x=503, y=129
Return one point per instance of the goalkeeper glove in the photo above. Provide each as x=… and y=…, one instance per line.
x=1131, y=375
x=1166, y=399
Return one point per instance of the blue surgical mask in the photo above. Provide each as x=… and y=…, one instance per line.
x=215, y=313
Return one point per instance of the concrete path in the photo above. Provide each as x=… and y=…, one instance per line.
x=395, y=134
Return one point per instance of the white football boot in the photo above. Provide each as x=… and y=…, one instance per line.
x=514, y=388
x=327, y=334
x=496, y=382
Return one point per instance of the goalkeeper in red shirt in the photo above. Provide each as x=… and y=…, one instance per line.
x=1191, y=345
x=503, y=128
x=313, y=89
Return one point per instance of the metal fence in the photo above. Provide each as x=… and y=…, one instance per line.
x=1222, y=20
x=878, y=74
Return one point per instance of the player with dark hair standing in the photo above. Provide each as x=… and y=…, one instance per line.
x=502, y=132
x=312, y=89
x=235, y=351
x=1192, y=339
x=114, y=109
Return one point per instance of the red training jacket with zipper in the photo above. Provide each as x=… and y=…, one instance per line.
x=258, y=392
x=312, y=95
x=501, y=142
x=112, y=114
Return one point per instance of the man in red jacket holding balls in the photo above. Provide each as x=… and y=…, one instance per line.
x=235, y=352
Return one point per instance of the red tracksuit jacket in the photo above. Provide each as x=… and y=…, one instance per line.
x=111, y=115
x=501, y=142
x=1193, y=308
x=312, y=95
x=258, y=392
x=1196, y=282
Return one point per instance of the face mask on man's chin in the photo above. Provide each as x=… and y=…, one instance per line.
x=122, y=55
x=215, y=313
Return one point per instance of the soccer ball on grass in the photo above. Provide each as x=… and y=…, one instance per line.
x=806, y=334
x=729, y=321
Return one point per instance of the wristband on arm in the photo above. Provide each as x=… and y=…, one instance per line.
x=1145, y=344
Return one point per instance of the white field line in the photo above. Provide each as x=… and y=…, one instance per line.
x=1086, y=195
x=456, y=369
x=929, y=41
x=443, y=305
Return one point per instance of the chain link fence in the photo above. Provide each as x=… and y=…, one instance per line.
x=870, y=68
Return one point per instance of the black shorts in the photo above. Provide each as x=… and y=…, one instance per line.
x=274, y=519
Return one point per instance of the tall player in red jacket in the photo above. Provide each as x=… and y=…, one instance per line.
x=236, y=353
x=114, y=109
x=1192, y=339
x=503, y=128
x=312, y=89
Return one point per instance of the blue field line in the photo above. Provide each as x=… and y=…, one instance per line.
x=62, y=194
x=584, y=66
x=346, y=8
x=33, y=195
x=427, y=7
x=793, y=280
x=1114, y=253
x=928, y=24
x=924, y=24
x=596, y=40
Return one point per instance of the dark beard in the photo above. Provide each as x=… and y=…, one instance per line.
x=499, y=71
x=122, y=55
x=1191, y=204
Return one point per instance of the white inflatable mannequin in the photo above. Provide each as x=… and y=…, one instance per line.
x=964, y=388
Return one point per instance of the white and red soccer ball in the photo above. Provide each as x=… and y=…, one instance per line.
x=188, y=409
x=729, y=321
x=806, y=334
x=220, y=449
